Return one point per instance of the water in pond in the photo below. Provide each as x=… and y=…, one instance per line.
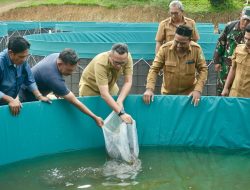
x=163, y=168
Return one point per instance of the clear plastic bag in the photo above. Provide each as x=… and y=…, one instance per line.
x=121, y=139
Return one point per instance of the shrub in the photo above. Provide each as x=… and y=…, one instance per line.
x=219, y=2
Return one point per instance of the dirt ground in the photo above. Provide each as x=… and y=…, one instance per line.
x=96, y=13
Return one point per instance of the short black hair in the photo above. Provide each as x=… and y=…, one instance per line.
x=120, y=48
x=248, y=28
x=184, y=30
x=69, y=56
x=18, y=44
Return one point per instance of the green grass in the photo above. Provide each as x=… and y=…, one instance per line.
x=191, y=6
x=195, y=6
x=5, y=1
x=105, y=3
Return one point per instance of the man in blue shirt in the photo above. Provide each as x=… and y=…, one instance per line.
x=15, y=71
x=49, y=73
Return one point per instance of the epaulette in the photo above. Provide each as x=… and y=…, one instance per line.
x=168, y=44
x=240, y=46
x=192, y=43
x=189, y=19
x=166, y=20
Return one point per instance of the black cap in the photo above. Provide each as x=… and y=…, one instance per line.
x=184, y=31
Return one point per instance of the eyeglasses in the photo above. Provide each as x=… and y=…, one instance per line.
x=116, y=60
x=180, y=43
x=174, y=13
x=118, y=63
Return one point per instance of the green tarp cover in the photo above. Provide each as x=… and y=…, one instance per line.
x=221, y=27
x=76, y=37
x=105, y=28
x=43, y=129
x=3, y=30
x=208, y=37
x=17, y=25
x=89, y=44
x=68, y=25
x=122, y=27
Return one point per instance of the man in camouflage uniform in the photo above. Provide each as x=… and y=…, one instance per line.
x=232, y=35
x=239, y=74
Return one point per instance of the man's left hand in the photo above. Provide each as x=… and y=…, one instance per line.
x=196, y=97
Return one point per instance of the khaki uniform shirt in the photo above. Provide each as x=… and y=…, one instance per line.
x=101, y=72
x=241, y=83
x=181, y=75
x=166, y=30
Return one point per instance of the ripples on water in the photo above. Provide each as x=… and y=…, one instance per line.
x=112, y=173
x=160, y=168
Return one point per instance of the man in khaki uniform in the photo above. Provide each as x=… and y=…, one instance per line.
x=239, y=74
x=184, y=68
x=102, y=73
x=167, y=28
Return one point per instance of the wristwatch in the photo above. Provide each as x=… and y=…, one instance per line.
x=121, y=112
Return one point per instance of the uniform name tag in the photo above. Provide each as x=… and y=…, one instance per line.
x=190, y=62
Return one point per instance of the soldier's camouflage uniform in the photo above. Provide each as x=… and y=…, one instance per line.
x=227, y=42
